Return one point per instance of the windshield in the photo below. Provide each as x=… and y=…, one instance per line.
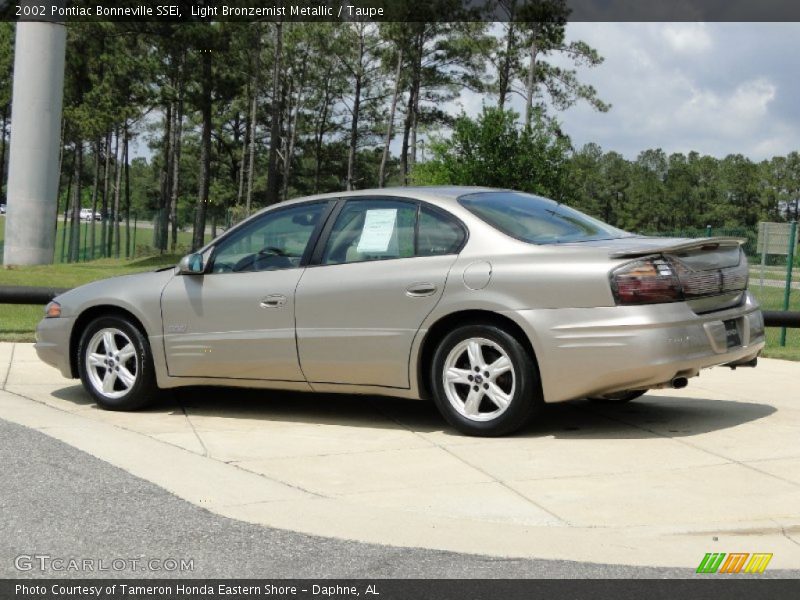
x=537, y=220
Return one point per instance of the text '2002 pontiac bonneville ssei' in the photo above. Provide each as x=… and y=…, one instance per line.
x=491, y=302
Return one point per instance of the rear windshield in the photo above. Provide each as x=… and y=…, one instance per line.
x=537, y=220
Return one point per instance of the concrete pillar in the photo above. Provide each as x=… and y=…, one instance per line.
x=32, y=199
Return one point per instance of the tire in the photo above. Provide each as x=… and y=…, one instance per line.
x=109, y=347
x=470, y=401
x=620, y=397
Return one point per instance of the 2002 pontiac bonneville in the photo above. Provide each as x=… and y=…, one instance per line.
x=490, y=301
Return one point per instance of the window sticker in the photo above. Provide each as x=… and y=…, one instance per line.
x=378, y=229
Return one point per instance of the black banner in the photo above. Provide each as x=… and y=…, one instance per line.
x=400, y=10
x=411, y=589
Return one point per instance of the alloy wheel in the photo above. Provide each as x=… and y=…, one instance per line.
x=479, y=379
x=112, y=363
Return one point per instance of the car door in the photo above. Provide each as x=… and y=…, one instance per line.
x=369, y=287
x=237, y=319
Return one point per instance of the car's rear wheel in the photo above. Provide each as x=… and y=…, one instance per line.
x=116, y=365
x=484, y=381
x=620, y=397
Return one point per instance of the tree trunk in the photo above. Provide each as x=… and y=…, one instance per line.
x=351, y=157
x=198, y=236
x=113, y=210
x=3, y=154
x=176, y=171
x=127, y=196
x=75, y=223
x=410, y=119
x=95, y=186
x=67, y=197
x=251, y=153
x=245, y=146
x=161, y=222
x=531, y=83
x=252, y=127
x=117, y=192
x=504, y=70
x=390, y=126
x=274, y=130
x=412, y=158
x=104, y=211
x=319, y=134
x=287, y=162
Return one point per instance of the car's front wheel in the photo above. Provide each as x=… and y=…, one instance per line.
x=484, y=381
x=116, y=365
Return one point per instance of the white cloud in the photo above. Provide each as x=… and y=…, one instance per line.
x=687, y=37
x=717, y=88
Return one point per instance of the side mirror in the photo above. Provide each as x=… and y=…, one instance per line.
x=191, y=264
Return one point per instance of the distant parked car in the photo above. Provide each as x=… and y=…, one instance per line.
x=109, y=216
x=490, y=302
x=2, y=209
x=87, y=214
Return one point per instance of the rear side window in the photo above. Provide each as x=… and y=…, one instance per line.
x=437, y=234
x=537, y=220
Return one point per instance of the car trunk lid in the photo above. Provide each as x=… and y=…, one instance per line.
x=713, y=272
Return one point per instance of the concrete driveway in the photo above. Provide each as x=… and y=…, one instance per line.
x=659, y=482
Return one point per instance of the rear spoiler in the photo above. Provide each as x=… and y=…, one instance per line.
x=710, y=242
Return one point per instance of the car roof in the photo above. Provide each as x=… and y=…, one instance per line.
x=437, y=194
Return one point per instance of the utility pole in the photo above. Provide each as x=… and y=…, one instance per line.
x=35, y=138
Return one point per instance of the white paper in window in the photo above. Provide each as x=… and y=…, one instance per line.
x=378, y=230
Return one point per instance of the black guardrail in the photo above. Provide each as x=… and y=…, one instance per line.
x=781, y=318
x=22, y=294
x=17, y=294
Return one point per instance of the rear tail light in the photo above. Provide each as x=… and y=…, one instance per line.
x=646, y=281
x=659, y=279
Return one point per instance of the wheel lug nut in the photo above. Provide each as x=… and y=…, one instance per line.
x=477, y=369
x=486, y=386
x=486, y=373
x=476, y=388
x=470, y=377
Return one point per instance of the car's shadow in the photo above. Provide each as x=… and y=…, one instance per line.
x=648, y=417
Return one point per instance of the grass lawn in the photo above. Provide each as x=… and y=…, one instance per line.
x=17, y=322
x=771, y=298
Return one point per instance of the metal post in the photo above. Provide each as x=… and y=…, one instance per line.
x=764, y=246
x=789, y=265
x=35, y=139
x=85, y=240
x=135, y=229
x=708, y=230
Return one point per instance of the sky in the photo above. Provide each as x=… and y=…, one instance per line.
x=717, y=88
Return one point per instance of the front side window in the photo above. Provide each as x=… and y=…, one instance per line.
x=537, y=220
x=371, y=230
x=276, y=240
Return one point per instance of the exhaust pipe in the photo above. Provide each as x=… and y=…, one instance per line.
x=679, y=382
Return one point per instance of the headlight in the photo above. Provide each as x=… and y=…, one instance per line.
x=52, y=310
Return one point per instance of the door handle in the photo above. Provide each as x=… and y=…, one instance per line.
x=420, y=290
x=273, y=301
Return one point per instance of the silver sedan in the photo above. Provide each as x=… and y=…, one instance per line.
x=490, y=302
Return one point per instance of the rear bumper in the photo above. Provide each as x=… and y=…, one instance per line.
x=590, y=351
x=52, y=343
